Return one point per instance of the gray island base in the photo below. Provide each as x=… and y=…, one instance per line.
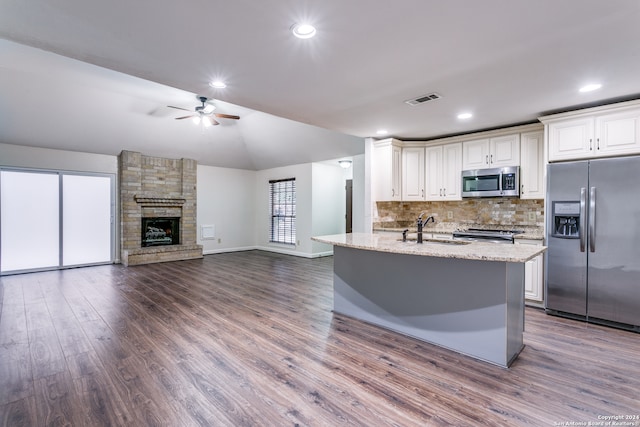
x=471, y=306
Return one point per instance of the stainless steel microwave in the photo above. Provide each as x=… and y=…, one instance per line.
x=496, y=182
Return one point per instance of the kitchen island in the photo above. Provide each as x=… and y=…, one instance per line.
x=465, y=296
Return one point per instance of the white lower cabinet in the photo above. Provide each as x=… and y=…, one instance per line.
x=533, y=275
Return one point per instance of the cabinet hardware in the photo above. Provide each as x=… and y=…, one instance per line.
x=598, y=143
x=590, y=144
x=441, y=192
x=486, y=159
x=444, y=191
x=492, y=158
x=393, y=192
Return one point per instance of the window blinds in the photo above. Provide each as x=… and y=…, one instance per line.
x=282, y=205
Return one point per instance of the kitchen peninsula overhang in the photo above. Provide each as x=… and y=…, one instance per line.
x=434, y=247
x=468, y=297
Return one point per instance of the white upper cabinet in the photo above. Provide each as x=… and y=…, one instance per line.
x=532, y=165
x=491, y=152
x=598, y=132
x=413, y=173
x=618, y=133
x=387, y=170
x=443, y=167
x=571, y=139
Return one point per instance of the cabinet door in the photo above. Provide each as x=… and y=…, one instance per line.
x=571, y=139
x=413, y=173
x=532, y=165
x=504, y=151
x=618, y=133
x=451, y=169
x=396, y=173
x=533, y=275
x=434, y=172
x=387, y=178
x=475, y=154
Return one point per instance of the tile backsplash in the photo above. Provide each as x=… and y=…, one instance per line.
x=488, y=211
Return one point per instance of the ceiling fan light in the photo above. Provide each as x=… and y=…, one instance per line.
x=196, y=120
x=207, y=122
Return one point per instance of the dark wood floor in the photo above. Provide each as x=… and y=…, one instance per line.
x=249, y=339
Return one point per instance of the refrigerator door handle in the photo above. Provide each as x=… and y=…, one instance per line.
x=592, y=219
x=583, y=215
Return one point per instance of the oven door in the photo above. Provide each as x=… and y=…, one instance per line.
x=481, y=183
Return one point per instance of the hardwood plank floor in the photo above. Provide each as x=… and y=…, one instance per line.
x=249, y=339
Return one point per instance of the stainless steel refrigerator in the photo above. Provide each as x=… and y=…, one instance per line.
x=593, y=239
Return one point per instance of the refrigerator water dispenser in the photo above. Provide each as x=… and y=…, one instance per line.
x=566, y=220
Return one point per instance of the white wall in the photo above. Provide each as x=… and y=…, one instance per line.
x=226, y=200
x=361, y=214
x=302, y=174
x=236, y=201
x=328, y=203
x=44, y=158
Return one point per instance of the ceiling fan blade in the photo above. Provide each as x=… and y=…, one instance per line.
x=185, y=117
x=177, y=108
x=214, y=122
x=226, y=116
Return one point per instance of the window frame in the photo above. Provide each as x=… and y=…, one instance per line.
x=282, y=211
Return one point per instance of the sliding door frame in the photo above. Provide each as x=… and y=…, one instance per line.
x=112, y=214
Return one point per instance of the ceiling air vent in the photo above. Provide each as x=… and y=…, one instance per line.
x=422, y=99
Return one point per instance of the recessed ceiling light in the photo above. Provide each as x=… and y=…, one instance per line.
x=303, y=31
x=464, y=116
x=590, y=87
x=218, y=84
x=382, y=132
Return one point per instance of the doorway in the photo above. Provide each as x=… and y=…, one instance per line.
x=349, y=206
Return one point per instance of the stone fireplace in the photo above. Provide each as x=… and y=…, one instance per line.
x=157, y=209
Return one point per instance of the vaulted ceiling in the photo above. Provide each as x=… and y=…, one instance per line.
x=98, y=76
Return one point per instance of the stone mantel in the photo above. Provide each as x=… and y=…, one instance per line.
x=159, y=200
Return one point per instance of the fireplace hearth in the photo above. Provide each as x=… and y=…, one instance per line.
x=160, y=231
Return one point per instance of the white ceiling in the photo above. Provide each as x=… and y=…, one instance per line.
x=506, y=61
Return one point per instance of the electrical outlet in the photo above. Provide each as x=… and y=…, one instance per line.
x=298, y=242
x=449, y=215
x=532, y=216
x=219, y=240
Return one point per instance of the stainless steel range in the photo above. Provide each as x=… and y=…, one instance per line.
x=486, y=235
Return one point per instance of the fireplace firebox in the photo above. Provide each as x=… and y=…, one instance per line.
x=160, y=231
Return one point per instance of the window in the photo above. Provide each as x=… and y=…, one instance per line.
x=282, y=205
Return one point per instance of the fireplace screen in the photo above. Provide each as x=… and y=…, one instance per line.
x=160, y=231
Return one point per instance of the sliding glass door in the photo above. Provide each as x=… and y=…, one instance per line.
x=55, y=219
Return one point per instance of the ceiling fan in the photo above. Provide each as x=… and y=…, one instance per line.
x=204, y=113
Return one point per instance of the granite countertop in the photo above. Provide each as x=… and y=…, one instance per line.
x=530, y=233
x=435, y=248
